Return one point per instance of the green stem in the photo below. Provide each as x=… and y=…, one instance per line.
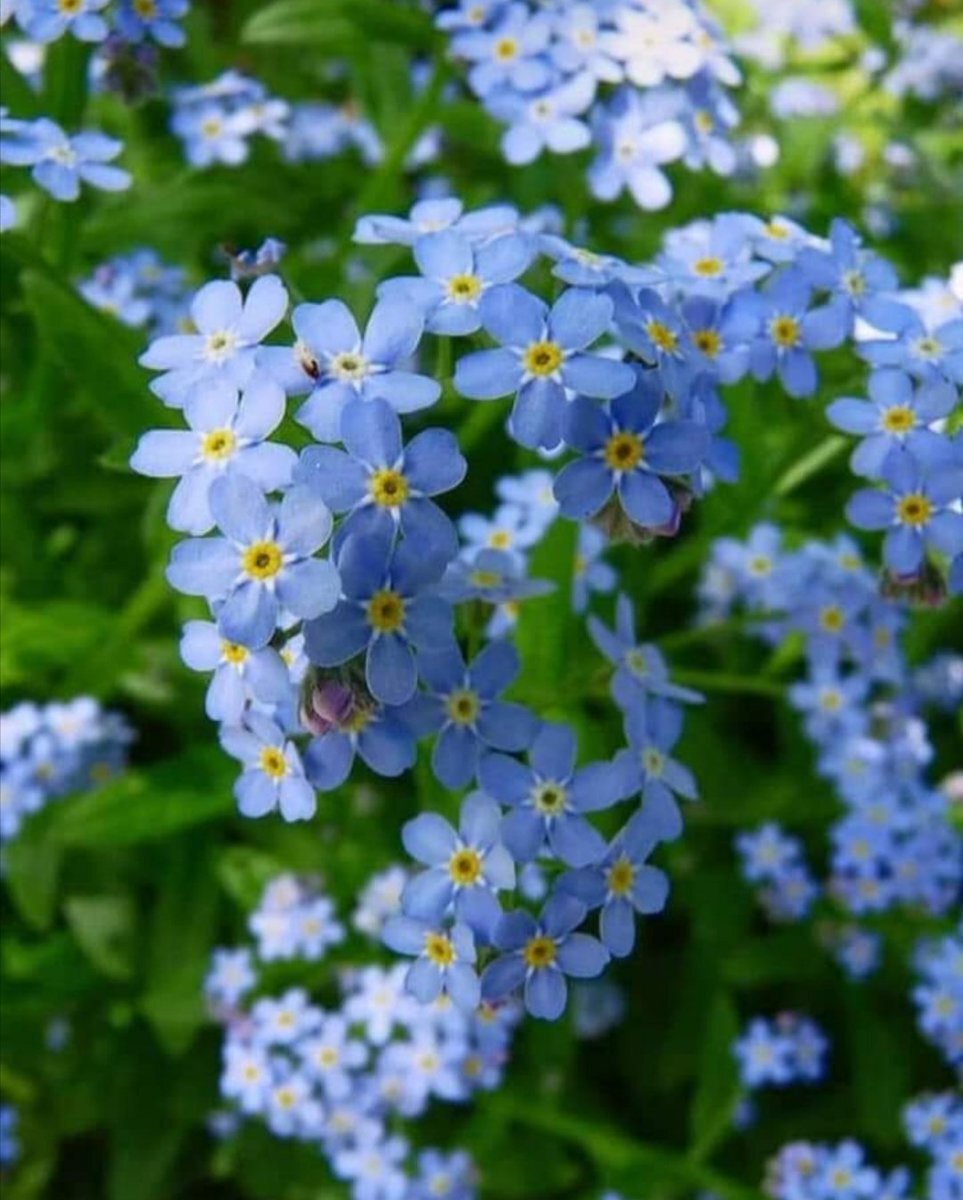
x=807, y=466
x=716, y=681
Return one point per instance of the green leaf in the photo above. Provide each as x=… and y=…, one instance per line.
x=94, y=349
x=334, y=24
x=104, y=929
x=546, y=624
x=245, y=872
x=149, y=804
x=32, y=872
x=182, y=931
x=48, y=637
x=718, y=1090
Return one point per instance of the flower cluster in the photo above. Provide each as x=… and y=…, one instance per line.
x=788, y=1049
x=51, y=751
x=896, y=844
x=813, y=1171
x=934, y=1125
x=97, y=21
x=340, y=1078
x=140, y=290
x=643, y=82
x=215, y=121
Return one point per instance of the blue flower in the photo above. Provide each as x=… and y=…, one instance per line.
x=655, y=332
x=719, y=333
x=550, y=797
x=229, y=327
x=382, y=485
x=455, y=274
x=791, y=330
x=621, y=885
x=537, y=956
x=462, y=706
x=48, y=20
x=346, y=366
x=914, y=510
x=273, y=777
x=926, y=354
x=653, y=727
x=624, y=451
x=239, y=674
x=444, y=959
x=640, y=670
x=467, y=867
x=855, y=277
x=375, y=734
x=896, y=418
x=547, y=120
x=389, y=606
x=511, y=54
x=590, y=573
x=61, y=163
x=262, y=562
x=227, y=436
x=156, y=19
x=636, y=135
x=432, y=216
x=494, y=576
x=541, y=355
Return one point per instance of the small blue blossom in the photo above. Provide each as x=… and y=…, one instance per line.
x=455, y=274
x=652, y=728
x=791, y=330
x=240, y=675
x=389, y=606
x=444, y=959
x=229, y=327
x=461, y=705
x=273, y=777
x=48, y=20
x=262, y=561
x=466, y=867
x=896, y=417
x=153, y=19
x=382, y=485
x=624, y=451
x=542, y=354
x=621, y=885
x=345, y=366
x=914, y=510
x=227, y=435
x=61, y=163
x=538, y=955
x=549, y=798
x=375, y=734
x=924, y=353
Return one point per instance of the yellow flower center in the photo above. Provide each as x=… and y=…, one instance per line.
x=500, y=539
x=485, y=579
x=708, y=267
x=221, y=344
x=506, y=49
x=462, y=706
x=462, y=289
x=662, y=336
x=777, y=231
x=539, y=952
x=914, y=509
x=219, y=444
x=928, y=347
x=832, y=618
x=234, y=653
x=350, y=367
x=785, y=332
x=285, y=1097
x=760, y=565
x=636, y=661
x=145, y=9
x=549, y=798
x=328, y=1056
x=703, y=121
x=898, y=419
x=830, y=700
x=70, y=8
x=439, y=949
x=465, y=866
x=273, y=762
x=854, y=283
x=263, y=560
x=386, y=611
x=653, y=760
x=543, y=358
x=357, y=721
x=388, y=488
x=620, y=877
x=708, y=341
x=624, y=451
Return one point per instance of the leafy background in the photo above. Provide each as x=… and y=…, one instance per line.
x=113, y=901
